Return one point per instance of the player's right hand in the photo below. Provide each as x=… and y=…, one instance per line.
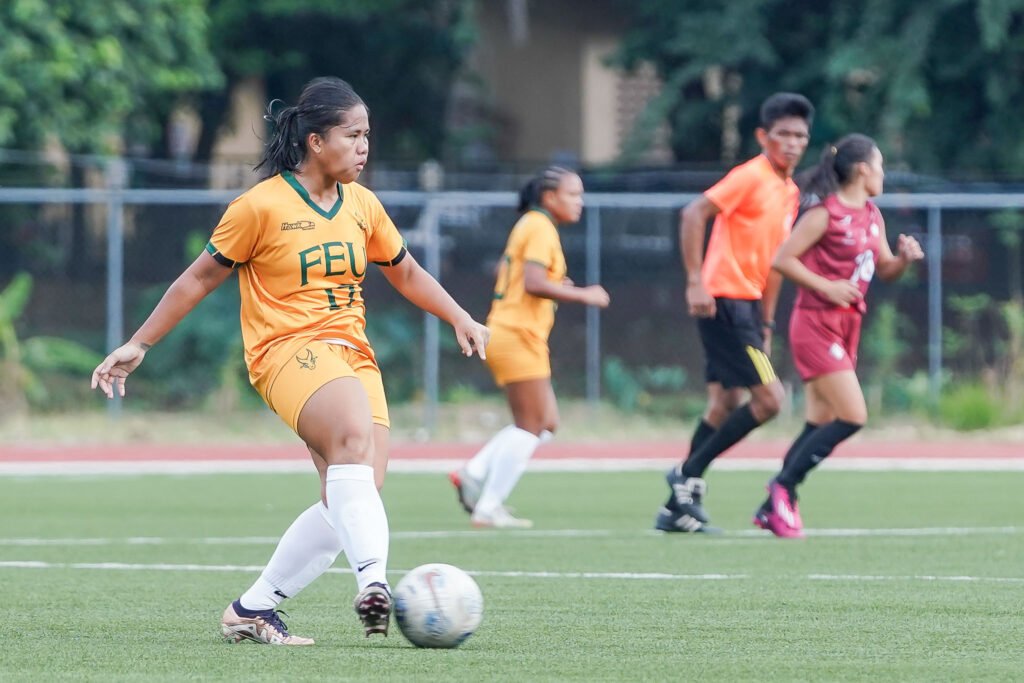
x=842, y=293
x=471, y=336
x=700, y=303
x=596, y=295
x=116, y=367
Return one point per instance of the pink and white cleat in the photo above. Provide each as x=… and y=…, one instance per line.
x=781, y=519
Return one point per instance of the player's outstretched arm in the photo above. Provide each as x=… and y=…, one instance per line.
x=420, y=288
x=199, y=279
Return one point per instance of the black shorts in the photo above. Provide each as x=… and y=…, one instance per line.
x=733, y=345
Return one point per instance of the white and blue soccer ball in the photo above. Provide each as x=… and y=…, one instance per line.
x=438, y=605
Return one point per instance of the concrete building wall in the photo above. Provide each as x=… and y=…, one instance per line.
x=548, y=92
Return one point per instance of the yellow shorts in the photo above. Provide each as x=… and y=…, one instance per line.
x=516, y=355
x=313, y=365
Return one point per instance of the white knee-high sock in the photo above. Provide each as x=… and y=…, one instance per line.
x=356, y=510
x=479, y=464
x=306, y=550
x=507, y=465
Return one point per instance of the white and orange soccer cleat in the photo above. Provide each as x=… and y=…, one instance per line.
x=467, y=488
x=262, y=627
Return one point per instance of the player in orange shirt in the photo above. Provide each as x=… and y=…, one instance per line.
x=301, y=241
x=732, y=291
x=531, y=280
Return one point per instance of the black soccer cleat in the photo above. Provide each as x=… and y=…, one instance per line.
x=687, y=495
x=373, y=605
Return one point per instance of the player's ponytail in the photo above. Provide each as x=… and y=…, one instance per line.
x=836, y=166
x=283, y=151
x=322, y=105
x=531, y=193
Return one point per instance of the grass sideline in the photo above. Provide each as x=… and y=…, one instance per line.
x=903, y=581
x=470, y=422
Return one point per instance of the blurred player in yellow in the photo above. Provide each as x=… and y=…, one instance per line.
x=531, y=280
x=301, y=241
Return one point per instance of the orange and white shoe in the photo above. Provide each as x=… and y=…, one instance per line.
x=499, y=518
x=467, y=488
x=263, y=627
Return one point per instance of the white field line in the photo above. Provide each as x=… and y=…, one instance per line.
x=512, y=534
x=438, y=466
x=632, y=576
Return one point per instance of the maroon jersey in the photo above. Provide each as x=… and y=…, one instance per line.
x=848, y=250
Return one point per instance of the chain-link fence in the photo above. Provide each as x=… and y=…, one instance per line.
x=99, y=259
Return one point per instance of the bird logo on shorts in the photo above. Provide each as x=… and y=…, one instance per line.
x=308, y=361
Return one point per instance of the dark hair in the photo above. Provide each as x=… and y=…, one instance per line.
x=322, y=104
x=835, y=169
x=539, y=184
x=783, y=105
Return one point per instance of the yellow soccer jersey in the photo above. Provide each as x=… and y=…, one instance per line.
x=533, y=238
x=301, y=268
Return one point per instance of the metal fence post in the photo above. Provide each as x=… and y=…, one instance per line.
x=935, y=302
x=429, y=221
x=593, y=313
x=116, y=179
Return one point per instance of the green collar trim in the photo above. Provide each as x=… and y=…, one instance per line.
x=544, y=211
x=297, y=186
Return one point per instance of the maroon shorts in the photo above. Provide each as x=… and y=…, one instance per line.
x=824, y=341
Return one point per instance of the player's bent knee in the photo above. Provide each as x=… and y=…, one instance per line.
x=854, y=417
x=767, y=404
x=350, y=449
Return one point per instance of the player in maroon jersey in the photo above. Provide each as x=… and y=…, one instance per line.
x=834, y=251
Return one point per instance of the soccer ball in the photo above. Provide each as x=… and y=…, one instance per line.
x=438, y=605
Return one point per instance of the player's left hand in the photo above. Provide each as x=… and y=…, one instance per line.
x=909, y=249
x=111, y=374
x=472, y=336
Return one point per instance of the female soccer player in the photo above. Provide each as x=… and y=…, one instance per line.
x=833, y=253
x=531, y=279
x=301, y=241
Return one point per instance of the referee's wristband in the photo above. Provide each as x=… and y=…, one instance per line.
x=768, y=325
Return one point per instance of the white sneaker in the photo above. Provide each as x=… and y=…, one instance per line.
x=499, y=518
x=266, y=628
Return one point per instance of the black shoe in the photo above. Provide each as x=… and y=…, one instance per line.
x=373, y=605
x=687, y=495
x=678, y=522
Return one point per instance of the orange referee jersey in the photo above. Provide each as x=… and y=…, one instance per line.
x=534, y=238
x=300, y=267
x=756, y=211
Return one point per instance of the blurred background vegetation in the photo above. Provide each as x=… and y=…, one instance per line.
x=937, y=83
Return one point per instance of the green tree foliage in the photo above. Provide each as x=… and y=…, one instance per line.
x=401, y=56
x=89, y=73
x=937, y=83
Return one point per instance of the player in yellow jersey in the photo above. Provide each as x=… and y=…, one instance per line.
x=531, y=280
x=301, y=242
